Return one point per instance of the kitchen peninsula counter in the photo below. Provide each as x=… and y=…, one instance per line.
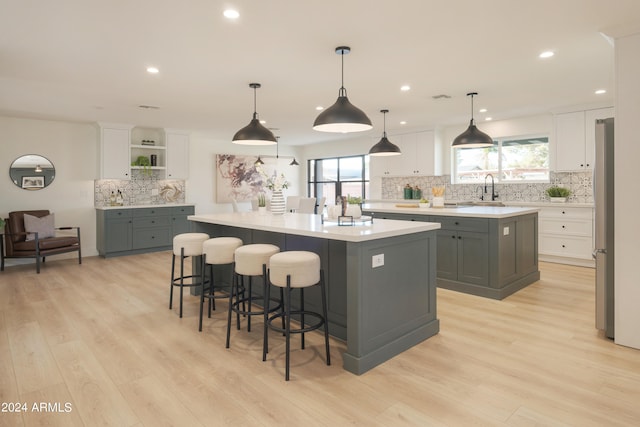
x=489, y=251
x=380, y=276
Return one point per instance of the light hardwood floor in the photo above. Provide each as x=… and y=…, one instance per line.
x=99, y=337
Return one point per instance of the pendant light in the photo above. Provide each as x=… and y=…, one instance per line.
x=472, y=137
x=254, y=133
x=385, y=147
x=259, y=162
x=342, y=116
x=294, y=162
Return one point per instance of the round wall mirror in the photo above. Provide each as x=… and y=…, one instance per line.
x=32, y=172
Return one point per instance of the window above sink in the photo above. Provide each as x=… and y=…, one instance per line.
x=509, y=160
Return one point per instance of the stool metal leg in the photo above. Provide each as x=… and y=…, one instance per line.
x=288, y=328
x=326, y=317
x=173, y=271
x=181, y=278
x=302, y=316
x=204, y=260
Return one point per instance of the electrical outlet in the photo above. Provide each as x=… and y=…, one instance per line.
x=505, y=231
x=377, y=261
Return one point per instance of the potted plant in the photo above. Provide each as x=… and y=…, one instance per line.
x=558, y=194
x=1, y=225
x=145, y=163
x=262, y=203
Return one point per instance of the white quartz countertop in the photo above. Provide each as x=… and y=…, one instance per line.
x=461, y=211
x=167, y=205
x=312, y=226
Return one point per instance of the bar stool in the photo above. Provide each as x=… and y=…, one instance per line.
x=250, y=260
x=185, y=245
x=216, y=251
x=290, y=270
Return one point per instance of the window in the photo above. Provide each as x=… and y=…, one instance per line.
x=338, y=176
x=508, y=160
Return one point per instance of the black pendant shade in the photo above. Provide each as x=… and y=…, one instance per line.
x=259, y=162
x=254, y=133
x=342, y=116
x=472, y=137
x=385, y=147
x=294, y=162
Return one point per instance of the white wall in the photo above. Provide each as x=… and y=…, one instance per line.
x=627, y=200
x=72, y=148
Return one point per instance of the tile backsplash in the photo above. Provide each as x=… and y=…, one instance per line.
x=139, y=190
x=580, y=183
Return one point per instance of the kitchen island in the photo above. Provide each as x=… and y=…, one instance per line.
x=380, y=276
x=489, y=251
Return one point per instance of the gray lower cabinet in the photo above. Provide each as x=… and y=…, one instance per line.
x=463, y=250
x=138, y=230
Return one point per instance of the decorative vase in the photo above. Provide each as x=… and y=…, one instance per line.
x=277, y=203
x=262, y=210
x=437, y=202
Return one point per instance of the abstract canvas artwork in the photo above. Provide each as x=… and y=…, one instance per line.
x=238, y=178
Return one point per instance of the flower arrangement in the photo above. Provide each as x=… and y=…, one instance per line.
x=274, y=182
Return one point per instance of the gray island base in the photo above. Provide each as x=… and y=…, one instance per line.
x=487, y=251
x=381, y=277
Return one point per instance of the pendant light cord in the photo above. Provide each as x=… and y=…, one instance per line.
x=384, y=121
x=255, y=109
x=343, y=91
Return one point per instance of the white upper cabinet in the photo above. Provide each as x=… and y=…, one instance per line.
x=575, y=138
x=419, y=156
x=177, y=155
x=114, y=151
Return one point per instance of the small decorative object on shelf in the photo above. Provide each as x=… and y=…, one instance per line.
x=558, y=194
x=148, y=142
x=145, y=163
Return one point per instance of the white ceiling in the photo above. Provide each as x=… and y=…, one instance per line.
x=85, y=60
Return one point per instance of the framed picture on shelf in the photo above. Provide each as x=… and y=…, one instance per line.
x=32, y=182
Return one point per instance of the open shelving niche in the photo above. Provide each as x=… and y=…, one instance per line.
x=159, y=148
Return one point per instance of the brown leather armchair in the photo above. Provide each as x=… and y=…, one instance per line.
x=16, y=244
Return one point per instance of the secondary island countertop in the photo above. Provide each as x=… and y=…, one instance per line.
x=311, y=225
x=462, y=211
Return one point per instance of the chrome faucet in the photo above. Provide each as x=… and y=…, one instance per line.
x=493, y=187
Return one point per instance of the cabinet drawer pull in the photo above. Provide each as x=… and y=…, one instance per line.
x=453, y=237
x=460, y=237
x=456, y=223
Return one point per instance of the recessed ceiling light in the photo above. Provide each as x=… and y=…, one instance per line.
x=405, y=88
x=488, y=119
x=231, y=14
x=319, y=108
x=152, y=70
x=546, y=54
x=403, y=122
x=482, y=110
x=600, y=91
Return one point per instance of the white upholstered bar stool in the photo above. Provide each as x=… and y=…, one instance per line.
x=185, y=245
x=290, y=270
x=250, y=261
x=216, y=251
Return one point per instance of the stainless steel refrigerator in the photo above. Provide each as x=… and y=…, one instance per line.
x=603, y=192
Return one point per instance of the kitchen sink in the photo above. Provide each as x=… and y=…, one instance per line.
x=480, y=203
x=486, y=203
